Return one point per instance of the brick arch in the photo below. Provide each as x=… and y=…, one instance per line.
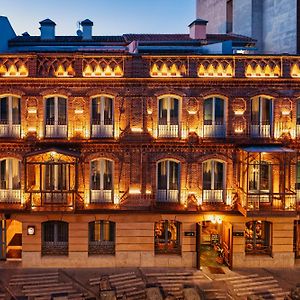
x=265, y=93
x=214, y=156
x=59, y=91
x=11, y=92
x=99, y=155
x=102, y=91
x=166, y=156
x=171, y=91
x=215, y=93
x=10, y=154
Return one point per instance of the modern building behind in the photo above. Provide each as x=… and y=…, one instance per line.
x=148, y=150
x=273, y=23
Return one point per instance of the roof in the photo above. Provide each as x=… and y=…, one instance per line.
x=47, y=22
x=267, y=149
x=198, y=22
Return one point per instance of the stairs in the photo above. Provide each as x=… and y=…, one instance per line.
x=125, y=284
x=173, y=282
x=255, y=286
x=44, y=286
x=2, y=296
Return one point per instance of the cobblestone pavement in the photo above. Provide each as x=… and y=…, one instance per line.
x=131, y=283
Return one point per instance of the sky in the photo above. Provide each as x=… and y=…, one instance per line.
x=110, y=17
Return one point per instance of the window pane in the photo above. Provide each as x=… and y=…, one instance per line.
x=219, y=111
x=163, y=111
x=208, y=108
x=62, y=111
x=15, y=173
x=108, y=111
x=96, y=111
x=218, y=177
x=95, y=175
x=253, y=177
x=173, y=175
x=62, y=231
x=264, y=176
x=50, y=111
x=162, y=175
x=48, y=231
x=266, y=112
x=16, y=112
x=255, y=111
x=174, y=111
x=107, y=176
x=4, y=181
x=207, y=172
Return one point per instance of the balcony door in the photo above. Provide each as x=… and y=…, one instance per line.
x=10, y=189
x=261, y=117
x=102, y=117
x=3, y=239
x=168, y=117
x=10, y=117
x=56, y=117
x=213, y=181
x=214, y=117
x=101, y=181
x=168, y=178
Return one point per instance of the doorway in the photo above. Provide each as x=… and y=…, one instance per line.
x=214, y=244
x=13, y=234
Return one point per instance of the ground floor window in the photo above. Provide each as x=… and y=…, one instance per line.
x=102, y=237
x=167, y=237
x=258, y=237
x=55, y=239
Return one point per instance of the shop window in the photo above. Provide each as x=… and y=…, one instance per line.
x=167, y=237
x=55, y=239
x=258, y=237
x=102, y=237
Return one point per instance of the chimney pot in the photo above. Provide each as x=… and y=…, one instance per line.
x=47, y=29
x=87, y=26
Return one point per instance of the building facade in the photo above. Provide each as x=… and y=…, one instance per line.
x=136, y=154
x=274, y=24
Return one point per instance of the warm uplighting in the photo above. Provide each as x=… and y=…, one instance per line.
x=148, y=192
x=295, y=71
x=238, y=130
x=285, y=112
x=215, y=219
x=136, y=130
x=78, y=111
x=98, y=71
x=168, y=71
x=32, y=110
x=215, y=70
x=239, y=112
x=116, y=199
x=13, y=71
x=259, y=71
x=64, y=72
x=192, y=112
x=31, y=129
x=134, y=191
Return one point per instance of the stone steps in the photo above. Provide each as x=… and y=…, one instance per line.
x=266, y=287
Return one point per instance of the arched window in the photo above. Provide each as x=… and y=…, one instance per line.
x=258, y=236
x=55, y=238
x=214, y=117
x=56, y=117
x=167, y=237
x=261, y=117
x=213, y=175
x=168, y=117
x=10, y=180
x=102, y=236
x=101, y=181
x=10, y=116
x=102, y=117
x=168, y=181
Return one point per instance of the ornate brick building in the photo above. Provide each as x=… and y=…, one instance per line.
x=147, y=150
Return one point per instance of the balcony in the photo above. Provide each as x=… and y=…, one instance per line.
x=7, y=130
x=214, y=130
x=101, y=196
x=269, y=201
x=168, y=130
x=55, y=248
x=56, y=131
x=102, y=130
x=10, y=196
x=168, y=196
x=213, y=196
x=261, y=130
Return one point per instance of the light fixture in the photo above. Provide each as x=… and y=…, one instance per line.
x=136, y=130
x=32, y=110
x=78, y=111
x=31, y=230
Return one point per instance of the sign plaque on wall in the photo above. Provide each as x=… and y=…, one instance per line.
x=189, y=233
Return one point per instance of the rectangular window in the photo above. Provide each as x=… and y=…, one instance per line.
x=258, y=237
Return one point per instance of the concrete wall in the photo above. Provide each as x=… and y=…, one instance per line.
x=214, y=11
x=279, y=26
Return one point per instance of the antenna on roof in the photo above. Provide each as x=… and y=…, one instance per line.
x=79, y=31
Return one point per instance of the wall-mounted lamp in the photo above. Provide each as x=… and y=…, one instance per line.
x=31, y=230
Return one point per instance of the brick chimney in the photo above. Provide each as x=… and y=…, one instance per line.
x=47, y=29
x=198, y=29
x=87, y=26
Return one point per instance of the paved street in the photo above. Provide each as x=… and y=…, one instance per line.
x=84, y=283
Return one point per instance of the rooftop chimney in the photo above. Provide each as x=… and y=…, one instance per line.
x=198, y=29
x=87, y=29
x=47, y=29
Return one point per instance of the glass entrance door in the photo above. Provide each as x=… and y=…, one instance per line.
x=2, y=239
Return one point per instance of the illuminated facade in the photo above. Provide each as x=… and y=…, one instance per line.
x=148, y=158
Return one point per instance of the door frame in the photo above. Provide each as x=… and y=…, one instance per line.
x=3, y=246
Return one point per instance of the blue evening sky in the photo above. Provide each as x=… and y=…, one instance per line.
x=110, y=17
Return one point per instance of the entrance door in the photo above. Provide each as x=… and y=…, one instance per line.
x=2, y=239
x=227, y=243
